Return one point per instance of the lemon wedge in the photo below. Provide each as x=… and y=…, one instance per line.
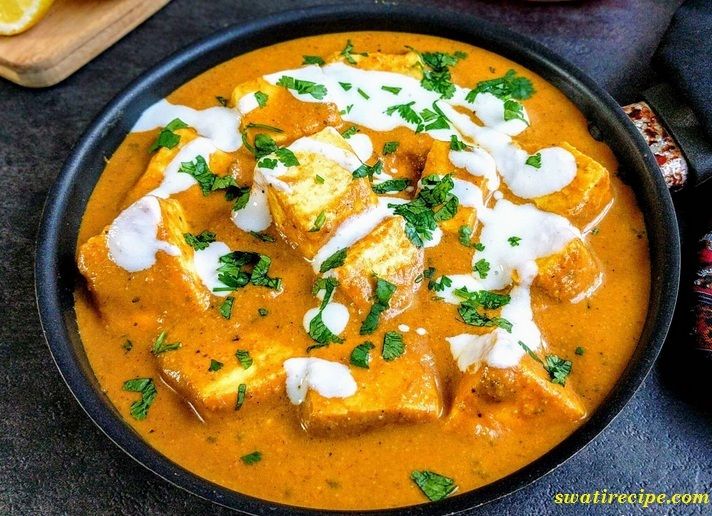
x=19, y=15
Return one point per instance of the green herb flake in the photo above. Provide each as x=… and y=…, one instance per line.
x=558, y=368
x=252, y=458
x=436, y=76
x=201, y=241
x=534, y=160
x=221, y=100
x=318, y=179
x=505, y=87
x=456, y=144
x=363, y=93
x=348, y=52
x=513, y=110
x=334, y=261
x=261, y=98
x=361, y=355
x=139, y=408
x=255, y=125
x=482, y=267
x=199, y=170
x=226, y=307
x=318, y=222
x=167, y=138
x=440, y=284
x=313, y=60
x=368, y=170
x=391, y=89
x=127, y=345
x=243, y=356
x=161, y=346
x=406, y=112
x=580, y=350
x=514, y=241
x=232, y=272
x=390, y=185
x=390, y=147
x=433, y=485
x=346, y=86
x=348, y=133
x=262, y=237
x=241, y=393
x=393, y=346
x=215, y=365
x=383, y=292
x=317, y=91
x=263, y=312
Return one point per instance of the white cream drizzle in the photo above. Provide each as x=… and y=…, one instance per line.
x=132, y=238
x=175, y=181
x=255, y=216
x=335, y=317
x=220, y=124
x=206, y=263
x=362, y=146
x=329, y=379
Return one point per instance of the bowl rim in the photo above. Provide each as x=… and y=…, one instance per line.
x=53, y=286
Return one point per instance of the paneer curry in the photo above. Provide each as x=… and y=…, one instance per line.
x=360, y=271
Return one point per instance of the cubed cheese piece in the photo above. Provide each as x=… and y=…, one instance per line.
x=405, y=64
x=490, y=401
x=313, y=116
x=582, y=200
x=120, y=295
x=386, y=253
x=298, y=208
x=405, y=390
x=570, y=274
x=438, y=162
x=187, y=371
x=152, y=178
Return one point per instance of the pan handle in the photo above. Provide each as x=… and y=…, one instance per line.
x=674, y=135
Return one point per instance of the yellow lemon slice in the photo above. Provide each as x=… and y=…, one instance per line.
x=19, y=15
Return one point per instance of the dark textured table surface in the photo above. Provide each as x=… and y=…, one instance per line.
x=53, y=459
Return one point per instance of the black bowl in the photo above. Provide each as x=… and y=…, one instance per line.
x=57, y=275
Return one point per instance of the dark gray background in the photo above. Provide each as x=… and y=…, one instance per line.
x=52, y=458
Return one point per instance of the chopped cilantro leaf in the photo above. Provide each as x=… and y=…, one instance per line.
x=318, y=91
x=208, y=182
x=393, y=346
x=558, y=368
x=261, y=98
x=580, y=350
x=226, y=307
x=391, y=89
x=254, y=125
x=382, y=295
x=262, y=237
x=308, y=60
x=368, y=170
x=433, y=485
x=391, y=185
x=390, y=147
x=127, y=345
x=221, y=100
x=333, y=261
x=534, y=160
x=348, y=52
x=482, y=267
x=513, y=110
x=361, y=355
x=263, y=312
x=201, y=241
x=363, y=93
x=456, y=144
x=243, y=356
x=505, y=87
x=167, y=138
x=440, y=284
x=139, y=408
x=318, y=222
x=318, y=179
x=215, y=365
x=251, y=458
x=437, y=77
x=346, y=86
x=241, y=393
x=348, y=133
x=514, y=241
x=161, y=346
x=406, y=112
x=231, y=271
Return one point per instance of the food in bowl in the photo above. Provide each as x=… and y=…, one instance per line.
x=360, y=270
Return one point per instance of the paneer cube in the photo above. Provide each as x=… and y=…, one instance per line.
x=187, y=371
x=405, y=64
x=307, y=211
x=582, y=200
x=490, y=401
x=405, y=390
x=313, y=117
x=571, y=274
x=151, y=179
x=117, y=292
x=438, y=162
x=386, y=253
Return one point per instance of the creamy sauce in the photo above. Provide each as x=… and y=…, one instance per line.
x=338, y=472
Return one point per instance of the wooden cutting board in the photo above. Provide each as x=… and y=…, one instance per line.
x=71, y=35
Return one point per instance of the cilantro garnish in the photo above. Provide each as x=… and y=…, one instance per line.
x=440, y=284
x=558, y=368
x=481, y=267
x=534, y=160
x=348, y=133
x=514, y=241
x=580, y=350
x=457, y=144
x=391, y=89
x=243, y=356
x=437, y=76
x=241, y=393
x=161, y=346
x=390, y=147
x=391, y=185
x=221, y=100
x=208, y=182
x=382, y=295
x=317, y=329
x=226, y=307
x=505, y=87
x=261, y=98
x=348, y=52
x=433, y=485
x=262, y=237
x=167, y=138
x=318, y=222
x=368, y=170
x=309, y=60
x=139, y=408
x=251, y=458
x=318, y=91
x=393, y=346
x=215, y=365
x=201, y=241
x=334, y=261
x=361, y=355
x=255, y=125
x=473, y=303
x=231, y=273
x=513, y=110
